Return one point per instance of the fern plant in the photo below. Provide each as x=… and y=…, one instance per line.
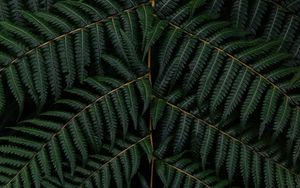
x=137, y=93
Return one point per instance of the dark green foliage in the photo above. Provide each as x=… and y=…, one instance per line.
x=119, y=93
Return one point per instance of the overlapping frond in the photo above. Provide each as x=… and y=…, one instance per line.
x=233, y=73
x=228, y=94
x=216, y=104
x=113, y=168
x=235, y=152
x=74, y=129
x=282, y=21
x=9, y=9
x=57, y=50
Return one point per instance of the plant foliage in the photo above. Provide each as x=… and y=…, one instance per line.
x=137, y=93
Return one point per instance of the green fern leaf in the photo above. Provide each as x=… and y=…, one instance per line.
x=55, y=156
x=15, y=87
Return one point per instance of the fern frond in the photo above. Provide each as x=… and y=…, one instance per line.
x=14, y=84
x=21, y=32
x=239, y=13
x=59, y=47
x=237, y=82
x=72, y=135
x=107, y=169
x=237, y=148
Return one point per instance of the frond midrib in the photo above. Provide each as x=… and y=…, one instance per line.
x=70, y=121
x=227, y=135
x=237, y=60
x=75, y=30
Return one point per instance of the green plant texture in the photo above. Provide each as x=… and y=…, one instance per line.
x=149, y=94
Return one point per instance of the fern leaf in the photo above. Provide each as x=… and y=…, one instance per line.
x=21, y=32
x=119, y=66
x=232, y=160
x=116, y=170
x=245, y=165
x=132, y=55
x=222, y=86
x=216, y=5
x=182, y=134
x=153, y=36
x=194, y=4
x=2, y=97
x=256, y=173
x=25, y=177
x=66, y=55
x=129, y=20
x=68, y=148
x=144, y=88
x=56, y=21
x=39, y=77
x=274, y=23
x=132, y=104
x=122, y=112
x=207, y=144
x=82, y=53
x=268, y=108
x=4, y=11
x=97, y=34
x=36, y=173
x=209, y=76
x=14, y=84
x=26, y=79
x=257, y=12
x=167, y=47
x=79, y=140
x=238, y=88
x=175, y=69
x=97, y=124
x=110, y=5
x=196, y=66
x=221, y=152
x=56, y=158
x=168, y=124
x=72, y=13
x=280, y=177
x=109, y=115
x=269, y=173
x=113, y=26
x=157, y=112
x=89, y=9
x=256, y=90
x=269, y=61
x=289, y=33
x=40, y=24
x=53, y=69
x=11, y=43
x=146, y=22
x=293, y=130
x=282, y=117
x=296, y=152
x=239, y=13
